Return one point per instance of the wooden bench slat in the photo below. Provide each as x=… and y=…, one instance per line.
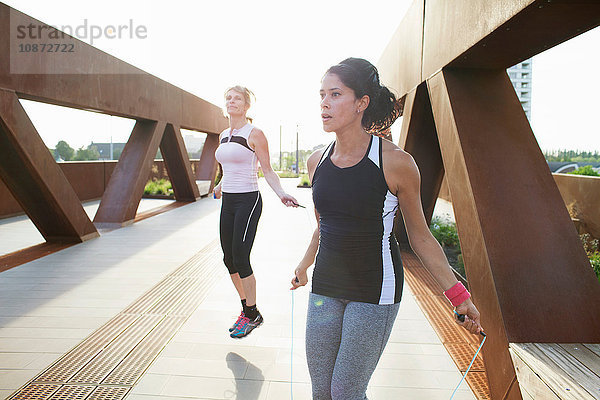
x=555, y=377
x=532, y=387
x=593, y=347
x=586, y=356
x=573, y=367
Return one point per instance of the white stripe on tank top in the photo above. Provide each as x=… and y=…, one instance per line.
x=390, y=205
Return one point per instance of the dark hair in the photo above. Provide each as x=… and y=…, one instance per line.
x=362, y=77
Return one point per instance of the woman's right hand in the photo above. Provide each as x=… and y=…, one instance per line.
x=300, y=278
x=217, y=191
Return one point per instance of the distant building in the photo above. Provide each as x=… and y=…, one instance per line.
x=104, y=150
x=520, y=76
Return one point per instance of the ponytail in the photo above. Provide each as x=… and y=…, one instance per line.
x=363, y=78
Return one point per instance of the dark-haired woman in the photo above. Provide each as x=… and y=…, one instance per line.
x=359, y=181
x=242, y=146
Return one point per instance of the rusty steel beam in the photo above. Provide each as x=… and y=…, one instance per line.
x=401, y=62
x=35, y=180
x=90, y=79
x=484, y=34
x=419, y=138
x=513, y=30
x=525, y=265
x=207, y=167
x=519, y=245
x=178, y=165
x=126, y=186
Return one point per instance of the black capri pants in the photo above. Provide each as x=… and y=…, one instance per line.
x=240, y=213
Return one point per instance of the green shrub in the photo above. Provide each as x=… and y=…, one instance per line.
x=595, y=261
x=592, y=248
x=304, y=181
x=586, y=170
x=287, y=174
x=590, y=245
x=159, y=187
x=445, y=232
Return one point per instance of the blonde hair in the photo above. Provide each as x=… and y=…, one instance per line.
x=247, y=93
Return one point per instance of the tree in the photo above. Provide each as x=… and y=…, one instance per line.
x=64, y=151
x=91, y=153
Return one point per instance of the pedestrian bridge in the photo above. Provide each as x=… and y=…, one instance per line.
x=143, y=312
x=156, y=282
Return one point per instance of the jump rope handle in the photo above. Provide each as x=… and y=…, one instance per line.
x=461, y=318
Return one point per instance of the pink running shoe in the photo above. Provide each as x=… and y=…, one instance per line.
x=246, y=326
x=237, y=322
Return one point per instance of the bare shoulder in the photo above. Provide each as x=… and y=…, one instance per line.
x=256, y=133
x=313, y=160
x=399, y=167
x=257, y=139
x=395, y=157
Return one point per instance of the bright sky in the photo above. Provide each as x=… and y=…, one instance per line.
x=280, y=50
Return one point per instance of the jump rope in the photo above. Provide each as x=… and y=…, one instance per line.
x=459, y=317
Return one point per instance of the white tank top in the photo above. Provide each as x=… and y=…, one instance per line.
x=239, y=162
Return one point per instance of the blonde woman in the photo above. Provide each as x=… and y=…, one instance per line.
x=242, y=147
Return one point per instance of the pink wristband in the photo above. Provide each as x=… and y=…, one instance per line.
x=457, y=294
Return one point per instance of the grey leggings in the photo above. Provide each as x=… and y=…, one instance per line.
x=344, y=341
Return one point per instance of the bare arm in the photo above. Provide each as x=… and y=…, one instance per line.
x=258, y=141
x=301, y=276
x=403, y=178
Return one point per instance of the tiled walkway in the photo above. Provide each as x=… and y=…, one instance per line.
x=50, y=305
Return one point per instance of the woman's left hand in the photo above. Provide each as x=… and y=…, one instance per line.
x=288, y=200
x=472, y=322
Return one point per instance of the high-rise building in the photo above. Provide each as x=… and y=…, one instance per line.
x=520, y=76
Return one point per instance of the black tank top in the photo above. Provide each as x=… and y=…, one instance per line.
x=358, y=257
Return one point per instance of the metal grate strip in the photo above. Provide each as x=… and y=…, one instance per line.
x=152, y=296
x=72, y=393
x=103, y=363
x=128, y=372
x=457, y=342
x=109, y=393
x=191, y=302
x=423, y=282
x=72, y=362
x=188, y=268
x=111, y=360
x=440, y=316
x=36, y=391
x=479, y=384
x=173, y=297
x=195, y=270
x=462, y=354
